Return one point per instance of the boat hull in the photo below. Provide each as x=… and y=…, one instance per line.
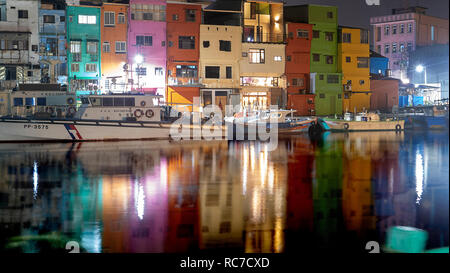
x=426, y=123
x=348, y=126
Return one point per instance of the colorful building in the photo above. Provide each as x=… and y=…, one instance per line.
x=385, y=93
x=298, y=51
x=325, y=81
x=147, y=46
x=83, y=49
x=262, y=65
x=183, y=52
x=378, y=63
x=353, y=62
x=52, y=44
x=114, y=23
x=398, y=34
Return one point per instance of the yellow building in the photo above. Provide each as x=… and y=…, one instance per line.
x=353, y=63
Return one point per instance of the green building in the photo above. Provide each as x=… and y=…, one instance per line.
x=83, y=48
x=326, y=82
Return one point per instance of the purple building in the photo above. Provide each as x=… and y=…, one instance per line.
x=395, y=36
x=147, y=46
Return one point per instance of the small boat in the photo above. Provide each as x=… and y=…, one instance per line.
x=361, y=122
x=434, y=117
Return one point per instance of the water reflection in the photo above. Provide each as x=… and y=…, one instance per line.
x=336, y=192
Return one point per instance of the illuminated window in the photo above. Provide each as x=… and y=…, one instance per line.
x=277, y=58
x=256, y=56
x=87, y=19
x=91, y=47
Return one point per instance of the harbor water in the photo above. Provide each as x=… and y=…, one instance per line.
x=336, y=192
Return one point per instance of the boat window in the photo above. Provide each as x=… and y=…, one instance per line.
x=119, y=101
x=107, y=101
x=18, y=101
x=30, y=101
x=129, y=102
x=96, y=101
x=42, y=101
x=84, y=101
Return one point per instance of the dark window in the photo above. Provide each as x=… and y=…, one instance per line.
x=29, y=101
x=229, y=72
x=190, y=15
x=329, y=59
x=316, y=34
x=316, y=57
x=302, y=33
x=159, y=71
x=205, y=44
x=30, y=73
x=23, y=13
x=186, y=71
x=212, y=72
x=41, y=101
x=330, y=15
x=225, y=45
x=339, y=96
x=49, y=19
x=346, y=37
x=332, y=79
x=119, y=101
x=322, y=96
x=147, y=16
x=34, y=48
x=62, y=18
x=329, y=36
x=288, y=58
x=186, y=42
x=108, y=102
x=364, y=36
x=348, y=59
x=175, y=17
x=18, y=101
x=129, y=101
x=144, y=40
x=321, y=77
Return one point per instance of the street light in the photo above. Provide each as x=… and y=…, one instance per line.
x=419, y=69
x=138, y=59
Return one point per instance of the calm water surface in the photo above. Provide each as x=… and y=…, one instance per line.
x=338, y=192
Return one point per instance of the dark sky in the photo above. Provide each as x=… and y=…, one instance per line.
x=356, y=13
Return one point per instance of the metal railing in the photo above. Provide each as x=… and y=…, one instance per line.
x=264, y=38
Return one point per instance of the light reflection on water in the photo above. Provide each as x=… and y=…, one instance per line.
x=336, y=192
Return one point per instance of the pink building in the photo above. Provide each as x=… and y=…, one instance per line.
x=147, y=45
x=398, y=34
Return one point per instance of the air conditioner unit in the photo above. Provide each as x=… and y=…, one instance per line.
x=347, y=87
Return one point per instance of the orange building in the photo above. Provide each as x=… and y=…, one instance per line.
x=114, y=21
x=298, y=50
x=183, y=35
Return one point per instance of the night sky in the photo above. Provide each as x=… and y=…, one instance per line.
x=356, y=13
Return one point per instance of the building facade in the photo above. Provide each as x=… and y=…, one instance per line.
x=19, y=42
x=378, y=63
x=397, y=35
x=353, y=61
x=385, y=93
x=83, y=49
x=52, y=44
x=298, y=51
x=183, y=52
x=114, y=30
x=147, y=46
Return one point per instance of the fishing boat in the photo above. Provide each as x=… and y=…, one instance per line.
x=433, y=117
x=361, y=122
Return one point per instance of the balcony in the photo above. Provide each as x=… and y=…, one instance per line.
x=178, y=81
x=264, y=38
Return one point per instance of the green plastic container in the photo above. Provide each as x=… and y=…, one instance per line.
x=406, y=240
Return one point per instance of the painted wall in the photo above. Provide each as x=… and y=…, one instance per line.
x=384, y=94
x=328, y=100
x=113, y=61
x=379, y=65
x=155, y=54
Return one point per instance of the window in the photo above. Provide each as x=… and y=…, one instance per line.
x=175, y=17
x=361, y=82
x=409, y=47
x=288, y=58
x=186, y=42
x=229, y=72
x=409, y=27
x=302, y=33
x=402, y=47
x=49, y=19
x=186, y=71
x=364, y=36
x=316, y=34
x=147, y=16
x=212, y=72
x=332, y=78
x=316, y=57
x=321, y=77
x=109, y=18
x=62, y=18
x=225, y=45
x=153, y=12
x=121, y=47
x=129, y=102
x=205, y=44
x=170, y=44
x=394, y=47
x=23, y=14
x=2, y=44
x=402, y=28
x=298, y=82
x=329, y=59
x=91, y=47
x=322, y=96
x=378, y=34
x=159, y=71
x=33, y=47
x=91, y=67
x=329, y=36
x=346, y=37
x=108, y=102
x=119, y=102
x=386, y=30
x=432, y=33
x=190, y=15
x=75, y=67
x=348, y=59
x=106, y=47
x=75, y=47
x=363, y=62
x=87, y=19
x=144, y=40
x=163, y=43
x=121, y=18
x=386, y=49
x=41, y=101
x=256, y=56
x=330, y=15
x=277, y=58
x=394, y=29
x=18, y=101
x=141, y=71
x=30, y=73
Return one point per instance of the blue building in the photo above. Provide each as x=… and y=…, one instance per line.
x=378, y=63
x=52, y=44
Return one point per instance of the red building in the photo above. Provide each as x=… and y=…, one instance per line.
x=298, y=51
x=183, y=35
x=384, y=93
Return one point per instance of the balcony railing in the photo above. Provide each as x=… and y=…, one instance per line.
x=178, y=81
x=264, y=38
